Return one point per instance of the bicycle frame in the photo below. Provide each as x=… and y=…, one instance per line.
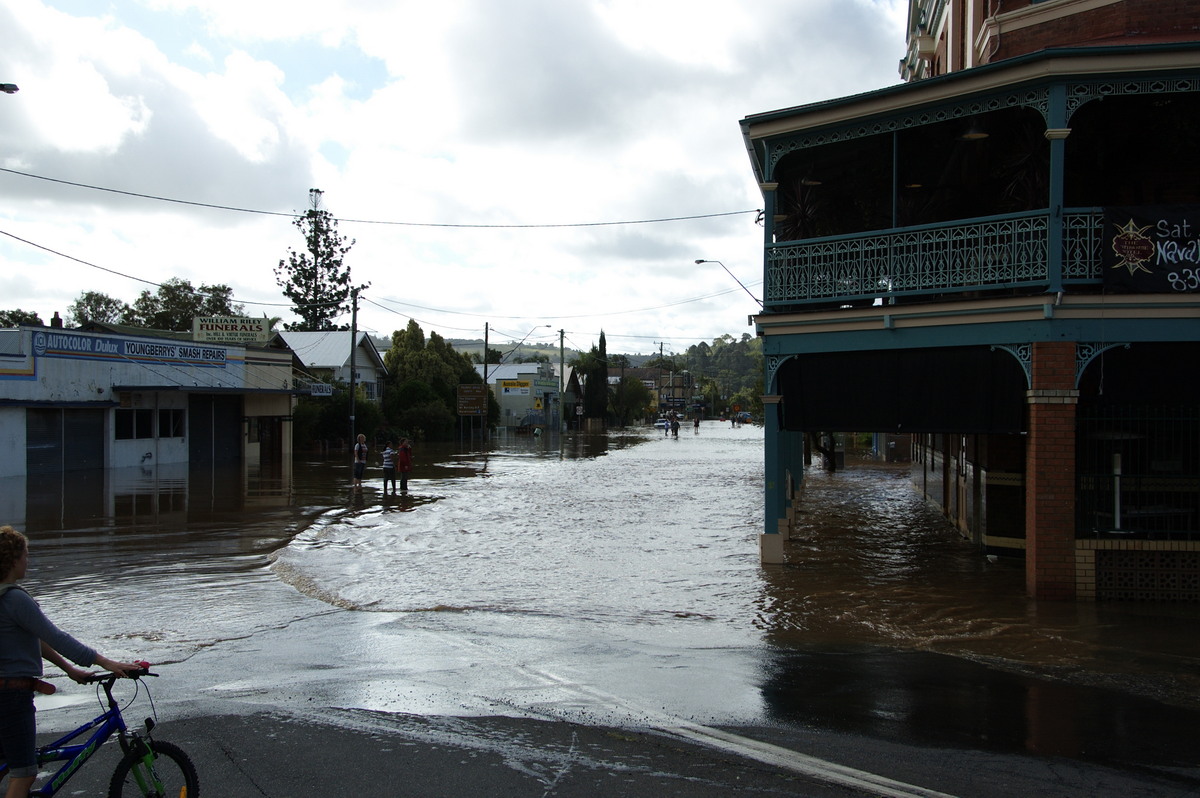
x=76, y=754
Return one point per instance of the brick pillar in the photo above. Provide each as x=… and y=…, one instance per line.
x=1050, y=473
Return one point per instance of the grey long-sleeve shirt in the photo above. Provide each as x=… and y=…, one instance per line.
x=23, y=626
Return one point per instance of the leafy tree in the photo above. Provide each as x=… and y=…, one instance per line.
x=631, y=400
x=11, y=318
x=749, y=401
x=618, y=361
x=710, y=389
x=665, y=363
x=317, y=280
x=423, y=379
x=325, y=418
x=95, y=306
x=494, y=356
x=176, y=303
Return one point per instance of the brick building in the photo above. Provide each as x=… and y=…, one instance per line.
x=999, y=258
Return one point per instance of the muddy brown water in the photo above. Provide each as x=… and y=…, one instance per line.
x=607, y=578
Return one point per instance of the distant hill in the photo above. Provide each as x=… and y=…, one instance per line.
x=474, y=346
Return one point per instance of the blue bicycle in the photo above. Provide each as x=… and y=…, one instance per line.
x=148, y=768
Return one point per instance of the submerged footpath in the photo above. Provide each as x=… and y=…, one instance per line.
x=342, y=753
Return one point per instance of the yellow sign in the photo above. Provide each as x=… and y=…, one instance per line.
x=537, y=404
x=515, y=387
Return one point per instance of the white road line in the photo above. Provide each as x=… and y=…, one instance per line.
x=746, y=747
x=796, y=762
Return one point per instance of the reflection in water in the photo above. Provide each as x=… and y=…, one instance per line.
x=877, y=593
x=933, y=699
x=873, y=564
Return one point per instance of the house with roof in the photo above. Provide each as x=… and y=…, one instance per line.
x=528, y=393
x=328, y=356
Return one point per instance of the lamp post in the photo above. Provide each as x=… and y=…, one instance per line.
x=734, y=276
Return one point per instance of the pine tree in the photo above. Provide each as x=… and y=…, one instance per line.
x=317, y=280
x=595, y=390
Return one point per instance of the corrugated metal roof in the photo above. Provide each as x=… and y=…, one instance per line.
x=327, y=350
x=508, y=371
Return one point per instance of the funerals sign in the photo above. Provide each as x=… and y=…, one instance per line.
x=100, y=347
x=231, y=329
x=1153, y=249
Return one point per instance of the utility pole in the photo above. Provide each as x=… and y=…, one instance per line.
x=562, y=397
x=353, y=359
x=660, y=373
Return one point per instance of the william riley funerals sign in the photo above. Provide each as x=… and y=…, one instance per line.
x=231, y=329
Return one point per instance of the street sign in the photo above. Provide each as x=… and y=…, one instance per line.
x=472, y=400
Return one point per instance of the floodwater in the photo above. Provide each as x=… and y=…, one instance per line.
x=609, y=579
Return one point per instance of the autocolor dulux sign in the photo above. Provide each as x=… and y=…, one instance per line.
x=89, y=347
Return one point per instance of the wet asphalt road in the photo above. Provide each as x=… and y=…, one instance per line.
x=343, y=753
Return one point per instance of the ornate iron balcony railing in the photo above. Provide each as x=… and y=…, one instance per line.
x=996, y=252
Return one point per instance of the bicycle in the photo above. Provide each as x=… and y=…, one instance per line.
x=148, y=768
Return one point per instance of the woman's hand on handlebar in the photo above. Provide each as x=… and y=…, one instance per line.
x=122, y=669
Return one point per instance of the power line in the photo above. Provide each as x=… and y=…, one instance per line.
x=152, y=282
x=451, y=225
x=425, y=323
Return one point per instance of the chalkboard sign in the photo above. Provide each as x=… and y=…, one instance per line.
x=1152, y=249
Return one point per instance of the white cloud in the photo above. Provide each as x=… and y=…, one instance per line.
x=461, y=112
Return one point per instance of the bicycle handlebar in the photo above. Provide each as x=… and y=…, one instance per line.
x=110, y=678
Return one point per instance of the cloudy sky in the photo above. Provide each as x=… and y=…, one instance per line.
x=477, y=151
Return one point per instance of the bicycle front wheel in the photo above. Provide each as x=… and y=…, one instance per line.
x=172, y=774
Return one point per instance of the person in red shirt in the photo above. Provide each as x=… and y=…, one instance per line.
x=404, y=463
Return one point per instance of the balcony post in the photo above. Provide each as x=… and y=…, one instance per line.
x=770, y=542
x=768, y=192
x=1056, y=133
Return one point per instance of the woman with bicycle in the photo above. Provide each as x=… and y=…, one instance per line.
x=26, y=636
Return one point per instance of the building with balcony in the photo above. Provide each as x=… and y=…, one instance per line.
x=1001, y=258
x=676, y=391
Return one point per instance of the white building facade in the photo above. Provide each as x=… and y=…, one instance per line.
x=73, y=400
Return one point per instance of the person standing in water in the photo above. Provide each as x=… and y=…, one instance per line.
x=389, y=467
x=360, y=460
x=404, y=463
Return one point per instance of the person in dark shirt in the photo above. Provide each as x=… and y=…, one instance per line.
x=26, y=637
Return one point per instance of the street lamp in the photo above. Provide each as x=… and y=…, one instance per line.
x=734, y=276
x=9, y=88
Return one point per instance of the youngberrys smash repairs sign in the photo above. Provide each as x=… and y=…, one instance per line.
x=91, y=347
x=1152, y=249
